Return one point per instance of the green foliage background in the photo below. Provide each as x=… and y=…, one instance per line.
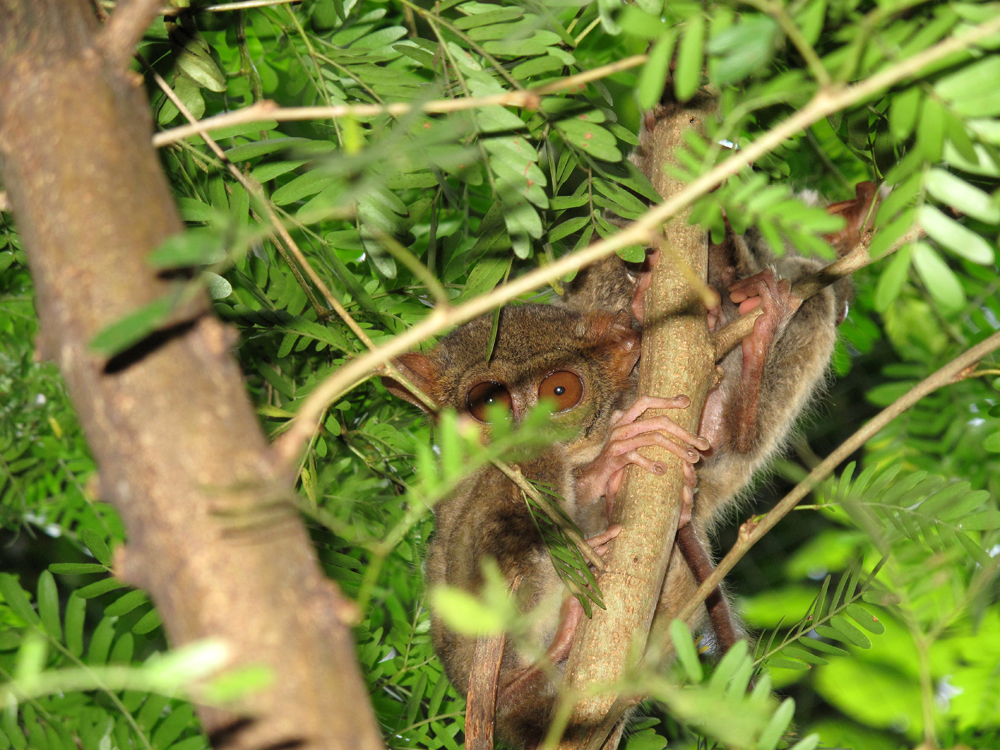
x=483, y=193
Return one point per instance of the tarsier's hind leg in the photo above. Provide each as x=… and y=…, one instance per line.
x=525, y=693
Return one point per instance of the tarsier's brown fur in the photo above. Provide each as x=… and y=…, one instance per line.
x=764, y=387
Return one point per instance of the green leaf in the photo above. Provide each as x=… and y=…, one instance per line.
x=464, y=613
x=687, y=655
x=48, y=605
x=850, y=633
x=986, y=520
x=17, y=599
x=973, y=90
x=195, y=61
x=591, y=138
x=939, y=279
x=802, y=655
x=654, y=73
x=809, y=742
x=992, y=443
x=189, y=94
x=776, y=662
x=147, y=623
x=77, y=568
x=95, y=543
x=126, y=603
x=218, y=287
x=99, y=587
x=776, y=726
x=100, y=642
x=890, y=283
x=195, y=247
x=950, y=234
x=76, y=614
x=959, y=194
x=247, y=151
x=865, y=619
x=903, y=113
x=743, y=48
x=690, y=57
x=134, y=327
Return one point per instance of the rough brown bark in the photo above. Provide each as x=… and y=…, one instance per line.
x=677, y=358
x=211, y=534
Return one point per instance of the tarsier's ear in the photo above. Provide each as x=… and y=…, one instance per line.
x=858, y=213
x=614, y=335
x=420, y=371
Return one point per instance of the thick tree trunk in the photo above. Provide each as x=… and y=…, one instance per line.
x=677, y=358
x=179, y=449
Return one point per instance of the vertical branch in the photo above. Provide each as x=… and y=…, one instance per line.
x=677, y=358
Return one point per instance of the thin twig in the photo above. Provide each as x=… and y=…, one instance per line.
x=224, y=7
x=118, y=38
x=824, y=103
x=268, y=110
x=750, y=533
x=513, y=473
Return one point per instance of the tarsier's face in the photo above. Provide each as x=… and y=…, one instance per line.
x=577, y=365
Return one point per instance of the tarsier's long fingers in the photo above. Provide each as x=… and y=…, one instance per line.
x=658, y=426
x=600, y=542
x=644, y=403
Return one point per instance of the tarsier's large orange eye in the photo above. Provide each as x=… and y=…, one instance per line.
x=563, y=387
x=484, y=395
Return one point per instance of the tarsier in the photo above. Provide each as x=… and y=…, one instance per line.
x=582, y=356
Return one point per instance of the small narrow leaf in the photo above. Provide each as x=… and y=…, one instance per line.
x=686, y=652
x=776, y=726
x=865, y=619
x=17, y=599
x=99, y=587
x=851, y=633
x=48, y=605
x=690, y=59
x=939, y=279
x=986, y=520
x=959, y=194
x=955, y=237
x=76, y=613
x=654, y=73
x=890, y=283
x=125, y=603
x=77, y=568
x=95, y=543
x=133, y=328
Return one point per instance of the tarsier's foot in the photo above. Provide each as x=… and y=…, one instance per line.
x=629, y=433
x=767, y=291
